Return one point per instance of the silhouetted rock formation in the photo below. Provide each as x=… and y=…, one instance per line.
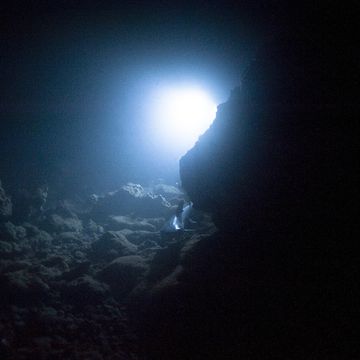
x=288, y=154
x=276, y=170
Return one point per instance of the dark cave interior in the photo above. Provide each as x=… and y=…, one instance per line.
x=264, y=268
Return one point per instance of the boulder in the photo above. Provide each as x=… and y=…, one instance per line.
x=40, y=241
x=276, y=169
x=93, y=229
x=29, y=203
x=58, y=264
x=23, y=287
x=130, y=199
x=77, y=271
x=267, y=165
x=11, y=266
x=120, y=222
x=31, y=229
x=11, y=232
x=111, y=245
x=84, y=290
x=123, y=274
x=137, y=237
x=68, y=237
x=169, y=192
x=149, y=245
x=164, y=262
x=55, y=223
x=5, y=204
x=178, y=263
x=6, y=250
x=158, y=222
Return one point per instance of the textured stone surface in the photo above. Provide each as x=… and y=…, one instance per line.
x=5, y=204
x=65, y=280
x=269, y=165
x=123, y=274
x=276, y=170
x=128, y=199
x=112, y=244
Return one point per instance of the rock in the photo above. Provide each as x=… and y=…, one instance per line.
x=168, y=283
x=139, y=236
x=48, y=313
x=186, y=256
x=57, y=262
x=29, y=203
x=10, y=250
x=80, y=255
x=68, y=237
x=130, y=199
x=158, y=222
x=274, y=169
x=123, y=274
x=188, y=289
x=23, y=287
x=84, y=290
x=203, y=168
x=77, y=271
x=164, y=262
x=169, y=192
x=40, y=241
x=56, y=223
x=5, y=347
x=93, y=229
x=66, y=209
x=5, y=204
x=31, y=229
x=125, y=222
x=111, y=245
x=11, y=266
x=6, y=250
x=149, y=244
x=43, y=343
x=11, y=232
x=193, y=248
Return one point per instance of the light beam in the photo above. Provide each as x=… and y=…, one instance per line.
x=181, y=115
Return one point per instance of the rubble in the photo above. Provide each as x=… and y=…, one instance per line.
x=68, y=273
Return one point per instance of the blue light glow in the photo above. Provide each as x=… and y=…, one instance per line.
x=179, y=116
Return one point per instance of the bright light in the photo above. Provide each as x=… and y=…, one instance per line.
x=181, y=115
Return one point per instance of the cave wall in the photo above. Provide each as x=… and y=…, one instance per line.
x=277, y=170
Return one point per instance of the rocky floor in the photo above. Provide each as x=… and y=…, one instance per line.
x=70, y=272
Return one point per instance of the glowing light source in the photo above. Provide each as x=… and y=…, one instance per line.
x=181, y=115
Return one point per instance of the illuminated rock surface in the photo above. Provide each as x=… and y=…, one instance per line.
x=67, y=282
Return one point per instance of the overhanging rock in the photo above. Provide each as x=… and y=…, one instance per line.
x=266, y=164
